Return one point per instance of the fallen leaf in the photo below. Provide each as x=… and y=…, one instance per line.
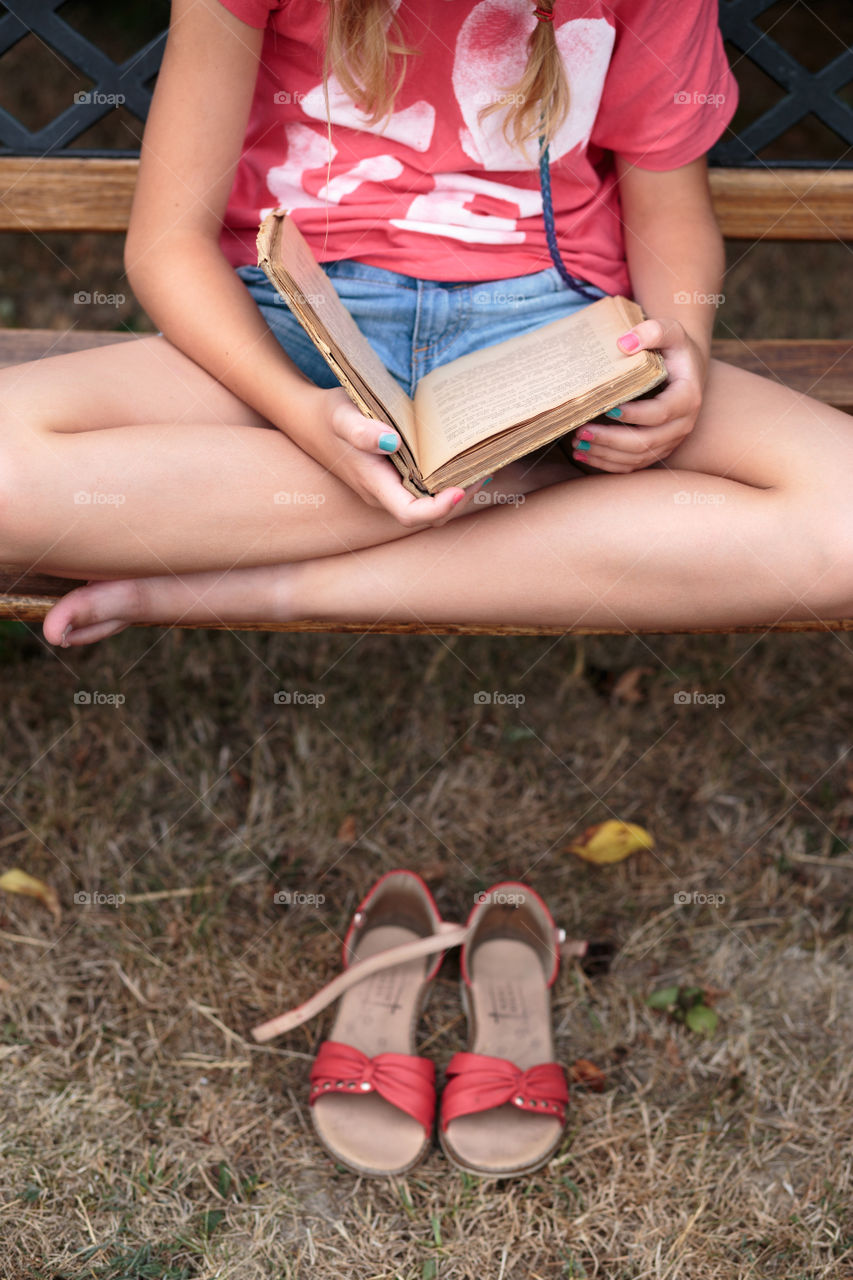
x=701, y=1018
x=664, y=998
x=16, y=881
x=587, y=1074
x=610, y=841
x=346, y=831
x=627, y=687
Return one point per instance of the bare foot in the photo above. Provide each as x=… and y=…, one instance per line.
x=100, y=609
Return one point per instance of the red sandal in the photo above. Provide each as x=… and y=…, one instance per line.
x=372, y=1098
x=503, y=1110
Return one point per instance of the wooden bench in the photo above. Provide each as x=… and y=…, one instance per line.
x=77, y=195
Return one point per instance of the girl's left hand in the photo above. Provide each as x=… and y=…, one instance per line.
x=648, y=431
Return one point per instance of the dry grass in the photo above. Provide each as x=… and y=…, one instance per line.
x=144, y=1135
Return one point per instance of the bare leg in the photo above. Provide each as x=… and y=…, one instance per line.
x=131, y=460
x=748, y=521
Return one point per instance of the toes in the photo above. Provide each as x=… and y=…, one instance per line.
x=112, y=603
x=88, y=635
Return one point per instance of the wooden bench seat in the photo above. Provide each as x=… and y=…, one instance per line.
x=784, y=204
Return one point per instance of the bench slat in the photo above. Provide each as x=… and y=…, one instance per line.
x=821, y=368
x=33, y=609
x=96, y=195
x=17, y=346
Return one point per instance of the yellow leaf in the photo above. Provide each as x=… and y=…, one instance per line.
x=16, y=881
x=610, y=841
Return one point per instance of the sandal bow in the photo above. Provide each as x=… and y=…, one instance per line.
x=403, y=1079
x=477, y=1082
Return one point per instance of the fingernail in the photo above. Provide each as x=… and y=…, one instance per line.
x=613, y=413
x=488, y=480
x=586, y=433
x=628, y=342
x=389, y=441
x=458, y=497
x=64, y=640
x=579, y=457
x=582, y=446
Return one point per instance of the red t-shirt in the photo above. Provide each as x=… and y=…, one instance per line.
x=432, y=193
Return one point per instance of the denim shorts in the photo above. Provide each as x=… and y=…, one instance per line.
x=417, y=325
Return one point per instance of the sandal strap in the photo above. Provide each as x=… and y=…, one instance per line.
x=403, y=1079
x=447, y=935
x=477, y=1082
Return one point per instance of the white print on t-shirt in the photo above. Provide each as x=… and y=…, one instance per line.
x=483, y=70
x=414, y=126
x=308, y=152
x=443, y=212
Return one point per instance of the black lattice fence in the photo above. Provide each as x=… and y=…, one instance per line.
x=758, y=34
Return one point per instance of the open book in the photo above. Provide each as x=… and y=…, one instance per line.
x=484, y=410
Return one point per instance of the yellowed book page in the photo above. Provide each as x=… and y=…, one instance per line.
x=285, y=255
x=484, y=393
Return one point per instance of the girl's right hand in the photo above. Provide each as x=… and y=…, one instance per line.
x=350, y=449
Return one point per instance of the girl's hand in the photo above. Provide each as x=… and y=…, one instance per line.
x=351, y=448
x=647, y=431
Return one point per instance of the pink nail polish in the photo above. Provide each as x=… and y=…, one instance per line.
x=586, y=433
x=459, y=497
x=629, y=342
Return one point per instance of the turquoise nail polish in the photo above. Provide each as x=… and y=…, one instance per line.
x=583, y=445
x=613, y=413
x=488, y=480
x=388, y=441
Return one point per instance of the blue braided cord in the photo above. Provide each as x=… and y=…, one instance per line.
x=550, y=232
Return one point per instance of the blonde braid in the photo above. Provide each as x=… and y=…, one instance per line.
x=542, y=93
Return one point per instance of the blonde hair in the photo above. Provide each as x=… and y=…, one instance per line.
x=364, y=38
